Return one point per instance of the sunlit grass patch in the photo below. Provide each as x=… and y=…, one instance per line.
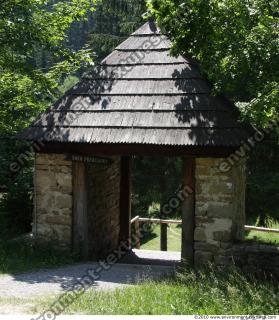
x=152, y=241
x=265, y=237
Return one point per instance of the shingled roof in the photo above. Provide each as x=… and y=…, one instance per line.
x=140, y=94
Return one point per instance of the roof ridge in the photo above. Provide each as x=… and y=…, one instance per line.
x=149, y=26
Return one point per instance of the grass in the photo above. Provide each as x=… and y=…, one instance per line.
x=267, y=238
x=205, y=293
x=23, y=256
x=263, y=237
x=16, y=306
x=152, y=241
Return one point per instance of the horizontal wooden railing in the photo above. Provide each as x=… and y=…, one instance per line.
x=164, y=229
x=260, y=229
x=160, y=221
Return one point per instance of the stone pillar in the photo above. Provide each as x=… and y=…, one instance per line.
x=220, y=210
x=53, y=200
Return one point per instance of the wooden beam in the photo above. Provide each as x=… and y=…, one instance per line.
x=125, y=199
x=159, y=221
x=164, y=237
x=135, y=219
x=137, y=230
x=136, y=150
x=260, y=229
x=188, y=212
x=80, y=219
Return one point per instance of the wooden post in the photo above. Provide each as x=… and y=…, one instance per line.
x=188, y=212
x=80, y=219
x=164, y=237
x=125, y=200
x=137, y=230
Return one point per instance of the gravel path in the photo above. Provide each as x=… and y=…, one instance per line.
x=55, y=281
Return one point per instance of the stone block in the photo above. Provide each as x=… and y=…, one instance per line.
x=42, y=159
x=203, y=198
x=58, y=220
x=226, y=198
x=63, y=201
x=203, y=170
x=209, y=229
x=42, y=167
x=66, y=212
x=224, y=178
x=221, y=188
x=204, y=246
x=45, y=179
x=220, y=210
x=64, y=180
x=44, y=203
x=202, y=220
x=201, y=212
x=207, y=162
x=226, y=245
x=202, y=258
x=55, y=212
x=199, y=234
x=222, y=236
x=66, y=233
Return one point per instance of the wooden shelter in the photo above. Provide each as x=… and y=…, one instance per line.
x=139, y=101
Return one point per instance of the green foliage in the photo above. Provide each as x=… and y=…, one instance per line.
x=262, y=183
x=154, y=209
x=210, y=292
x=236, y=43
x=154, y=180
x=114, y=20
x=16, y=203
x=26, y=28
x=68, y=83
x=16, y=206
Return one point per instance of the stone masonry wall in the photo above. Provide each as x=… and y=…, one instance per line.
x=53, y=214
x=220, y=210
x=255, y=257
x=53, y=199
